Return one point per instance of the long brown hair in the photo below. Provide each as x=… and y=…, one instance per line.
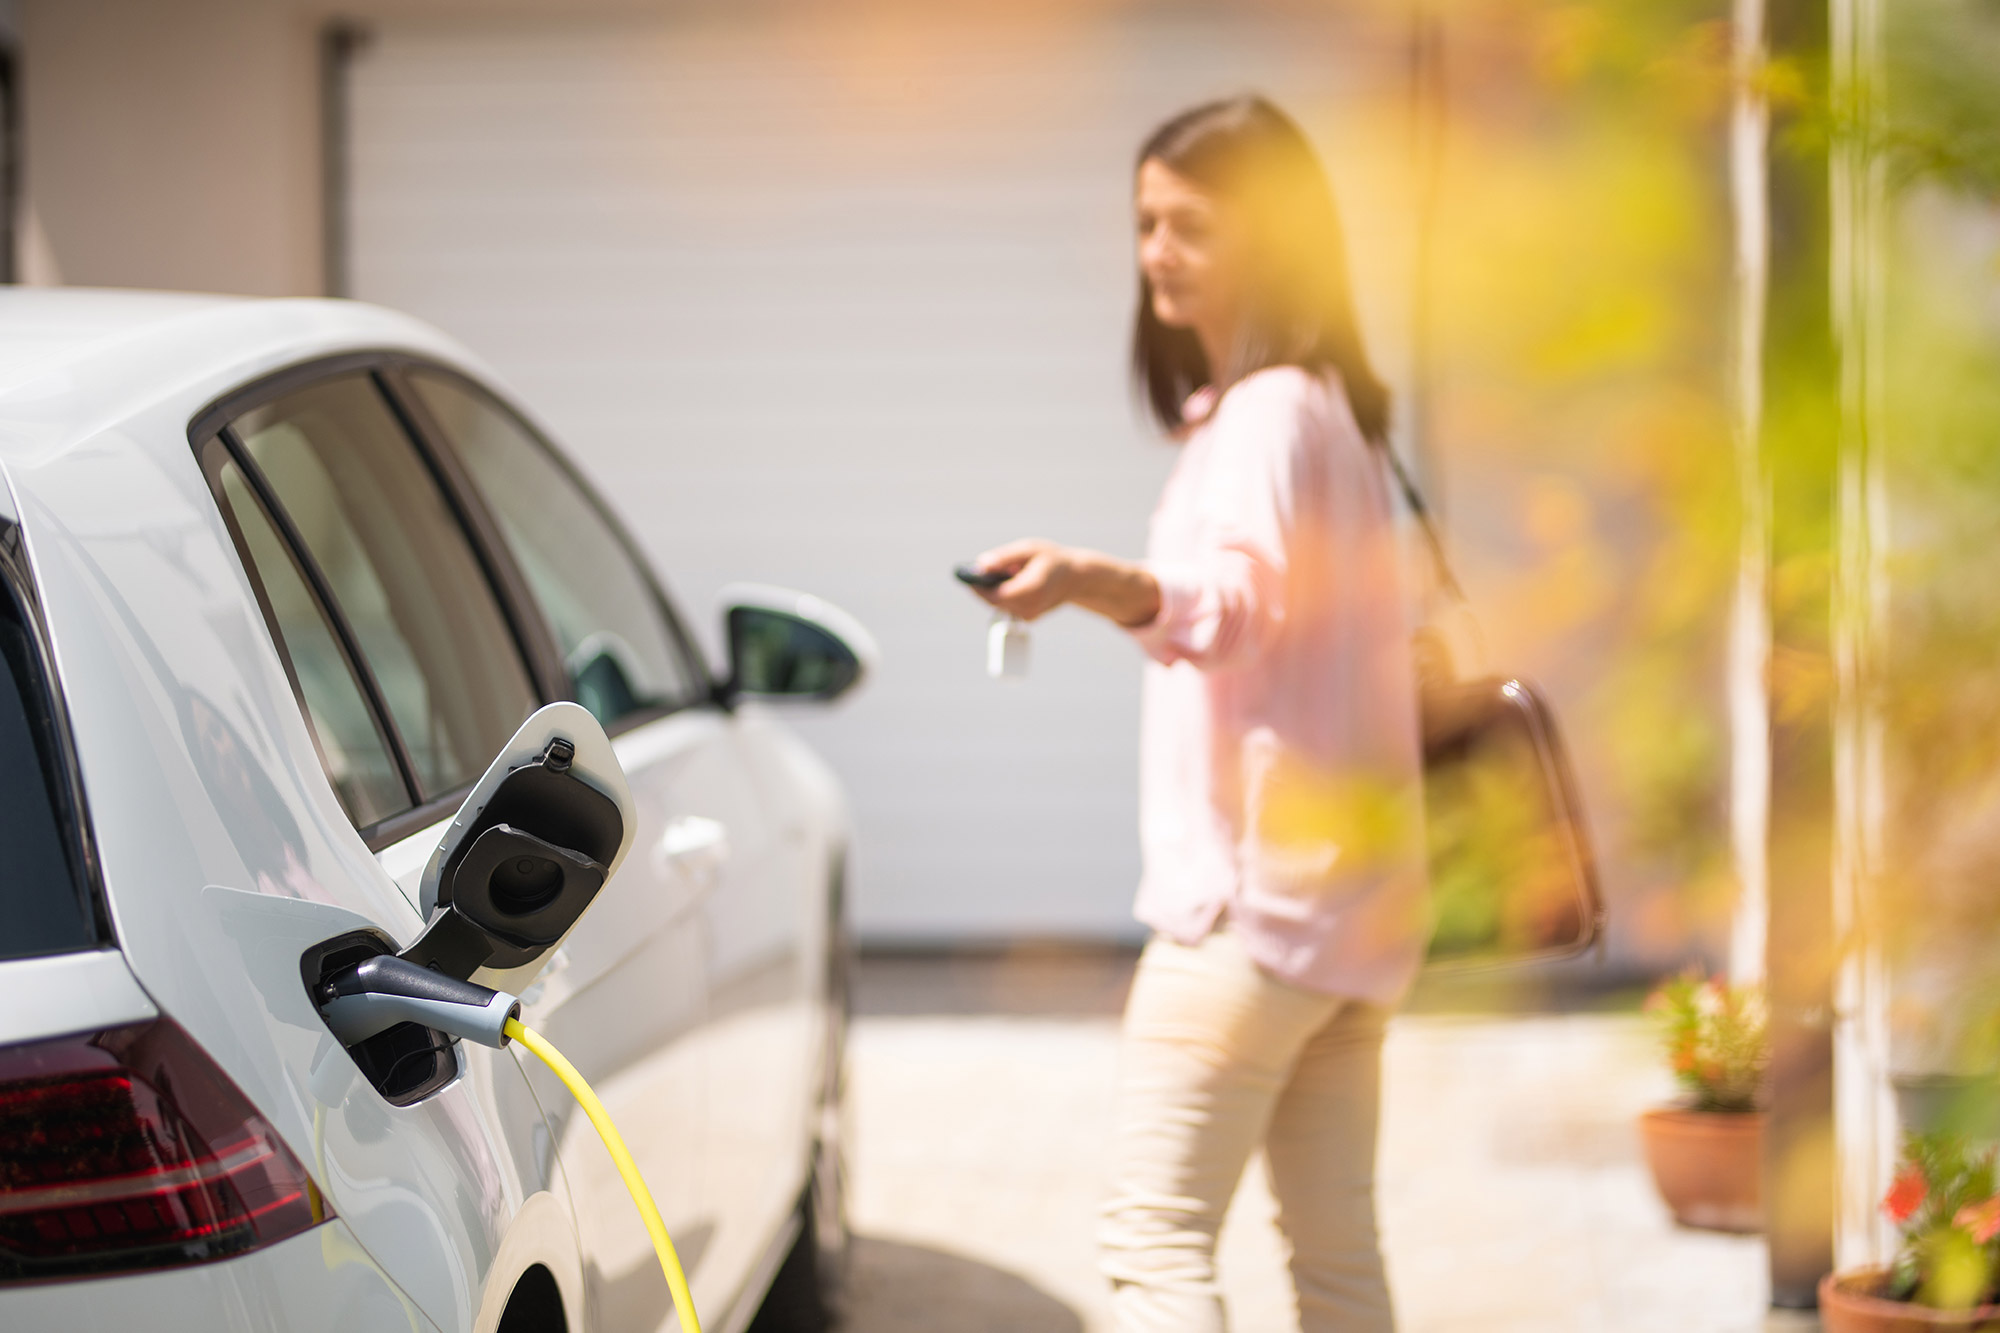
x=1299, y=310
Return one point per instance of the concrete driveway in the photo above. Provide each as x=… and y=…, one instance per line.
x=1513, y=1198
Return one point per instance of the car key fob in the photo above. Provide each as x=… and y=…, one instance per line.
x=982, y=578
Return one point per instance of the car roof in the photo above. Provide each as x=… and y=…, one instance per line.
x=46, y=327
x=76, y=361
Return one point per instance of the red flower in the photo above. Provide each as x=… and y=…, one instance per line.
x=1906, y=1194
x=1981, y=1219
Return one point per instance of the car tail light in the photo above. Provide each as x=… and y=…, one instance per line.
x=130, y=1149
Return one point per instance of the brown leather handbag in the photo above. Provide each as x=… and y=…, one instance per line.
x=1513, y=880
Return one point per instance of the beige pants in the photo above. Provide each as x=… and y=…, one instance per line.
x=1219, y=1056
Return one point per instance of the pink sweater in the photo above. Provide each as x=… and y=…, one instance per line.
x=1279, y=759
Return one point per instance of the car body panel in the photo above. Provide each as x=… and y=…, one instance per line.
x=767, y=991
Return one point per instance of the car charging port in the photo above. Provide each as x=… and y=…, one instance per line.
x=405, y=1062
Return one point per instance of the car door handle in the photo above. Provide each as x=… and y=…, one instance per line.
x=692, y=843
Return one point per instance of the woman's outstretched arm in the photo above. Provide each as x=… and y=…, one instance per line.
x=1047, y=575
x=1215, y=611
x=1217, y=601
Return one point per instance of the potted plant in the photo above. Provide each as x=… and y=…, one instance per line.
x=1707, y=1151
x=1947, y=1273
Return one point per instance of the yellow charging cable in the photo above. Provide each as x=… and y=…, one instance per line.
x=663, y=1245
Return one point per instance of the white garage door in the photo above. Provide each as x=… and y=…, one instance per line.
x=834, y=303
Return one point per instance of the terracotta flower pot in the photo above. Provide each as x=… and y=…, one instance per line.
x=1848, y=1304
x=1708, y=1166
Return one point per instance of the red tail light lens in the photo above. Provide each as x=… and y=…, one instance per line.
x=129, y=1149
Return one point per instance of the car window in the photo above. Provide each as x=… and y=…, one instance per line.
x=621, y=650
x=401, y=571
x=42, y=899
x=352, y=748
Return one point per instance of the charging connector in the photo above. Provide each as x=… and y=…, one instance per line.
x=375, y=995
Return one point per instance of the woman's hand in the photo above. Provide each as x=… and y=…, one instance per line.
x=1043, y=576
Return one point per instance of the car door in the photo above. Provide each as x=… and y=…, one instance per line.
x=626, y=998
x=767, y=952
x=409, y=678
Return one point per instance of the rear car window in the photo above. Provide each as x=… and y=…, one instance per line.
x=44, y=899
x=401, y=570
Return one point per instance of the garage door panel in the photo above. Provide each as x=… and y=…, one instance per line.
x=835, y=298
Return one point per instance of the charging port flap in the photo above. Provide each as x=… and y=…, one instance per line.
x=535, y=841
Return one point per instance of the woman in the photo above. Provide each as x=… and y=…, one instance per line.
x=1279, y=752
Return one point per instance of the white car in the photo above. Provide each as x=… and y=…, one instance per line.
x=278, y=582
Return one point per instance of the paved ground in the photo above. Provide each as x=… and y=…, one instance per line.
x=1513, y=1198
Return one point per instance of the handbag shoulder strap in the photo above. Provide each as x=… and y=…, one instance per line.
x=1421, y=512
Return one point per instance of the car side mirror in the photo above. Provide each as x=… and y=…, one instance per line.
x=791, y=645
x=533, y=844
